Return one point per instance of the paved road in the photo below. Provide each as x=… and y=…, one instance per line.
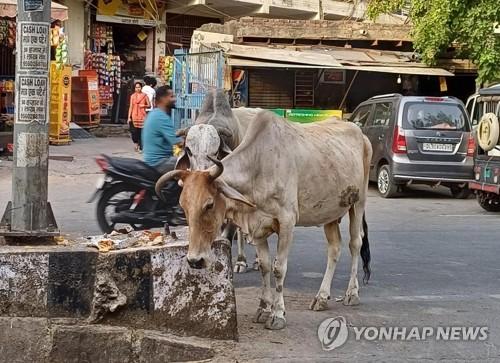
x=435, y=262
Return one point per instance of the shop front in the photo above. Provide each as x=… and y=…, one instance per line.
x=58, y=57
x=120, y=50
x=298, y=80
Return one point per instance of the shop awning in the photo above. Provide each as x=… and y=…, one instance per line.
x=280, y=55
x=329, y=57
x=8, y=8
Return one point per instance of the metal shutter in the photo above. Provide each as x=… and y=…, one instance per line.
x=271, y=88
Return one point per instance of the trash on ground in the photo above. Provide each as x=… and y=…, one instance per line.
x=127, y=238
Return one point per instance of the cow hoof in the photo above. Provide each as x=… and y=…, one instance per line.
x=351, y=299
x=275, y=323
x=240, y=267
x=261, y=316
x=319, y=304
x=256, y=266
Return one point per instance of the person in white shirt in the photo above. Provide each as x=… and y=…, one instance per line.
x=149, y=90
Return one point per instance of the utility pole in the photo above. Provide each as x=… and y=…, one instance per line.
x=321, y=10
x=29, y=213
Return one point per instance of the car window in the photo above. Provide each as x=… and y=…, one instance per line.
x=437, y=116
x=360, y=117
x=382, y=114
x=477, y=113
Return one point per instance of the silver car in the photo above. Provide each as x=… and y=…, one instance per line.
x=418, y=140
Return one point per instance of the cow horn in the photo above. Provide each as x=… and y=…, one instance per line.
x=174, y=174
x=216, y=170
x=182, y=132
x=225, y=132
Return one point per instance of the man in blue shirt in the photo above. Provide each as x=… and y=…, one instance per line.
x=158, y=139
x=158, y=134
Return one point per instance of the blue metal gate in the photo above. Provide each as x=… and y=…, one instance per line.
x=194, y=75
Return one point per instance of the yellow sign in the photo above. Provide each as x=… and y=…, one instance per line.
x=108, y=7
x=60, y=103
x=130, y=8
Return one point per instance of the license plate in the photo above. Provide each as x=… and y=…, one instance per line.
x=427, y=146
x=100, y=182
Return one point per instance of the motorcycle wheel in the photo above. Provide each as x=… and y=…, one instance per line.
x=106, y=200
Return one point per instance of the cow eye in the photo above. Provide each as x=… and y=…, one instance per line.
x=188, y=151
x=209, y=204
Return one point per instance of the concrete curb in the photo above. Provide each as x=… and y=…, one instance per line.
x=140, y=288
x=41, y=340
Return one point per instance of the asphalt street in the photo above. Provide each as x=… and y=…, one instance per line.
x=435, y=262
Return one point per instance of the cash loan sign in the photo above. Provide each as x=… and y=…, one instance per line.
x=34, y=46
x=32, y=99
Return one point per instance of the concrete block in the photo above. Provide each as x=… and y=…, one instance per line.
x=24, y=340
x=24, y=279
x=162, y=292
x=160, y=348
x=71, y=283
x=91, y=343
x=194, y=302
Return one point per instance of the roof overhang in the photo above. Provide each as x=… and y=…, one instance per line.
x=349, y=59
x=8, y=8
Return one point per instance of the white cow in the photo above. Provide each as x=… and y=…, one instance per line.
x=227, y=129
x=280, y=176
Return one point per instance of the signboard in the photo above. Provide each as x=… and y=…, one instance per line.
x=34, y=46
x=126, y=20
x=31, y=105
x=306, y=116
x=33, y=5
x=333, y=76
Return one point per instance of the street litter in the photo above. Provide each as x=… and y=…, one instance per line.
x=125, y=238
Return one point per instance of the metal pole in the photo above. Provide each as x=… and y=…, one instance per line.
x=29, y=214
x=348, y=89
x=321, y=11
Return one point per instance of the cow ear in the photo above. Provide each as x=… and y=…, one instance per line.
x=183, y=162
x=208, y=103
x=221, y=104
x=231, y=193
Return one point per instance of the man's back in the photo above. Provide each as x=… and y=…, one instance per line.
x=147, y=89
x=158, y=137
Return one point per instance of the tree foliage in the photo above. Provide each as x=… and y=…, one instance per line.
x=438, y=24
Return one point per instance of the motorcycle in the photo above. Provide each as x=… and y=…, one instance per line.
x=126, y=196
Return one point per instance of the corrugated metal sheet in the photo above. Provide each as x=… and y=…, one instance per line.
x=323, y=57
x=280, y=55
x=242, y=62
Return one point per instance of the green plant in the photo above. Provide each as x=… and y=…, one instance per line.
x=439, y=24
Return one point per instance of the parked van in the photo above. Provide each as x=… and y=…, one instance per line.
x=483, y=102
x=486, y=108
x=417, y=140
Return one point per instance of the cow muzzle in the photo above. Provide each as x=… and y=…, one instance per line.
x=197, y=263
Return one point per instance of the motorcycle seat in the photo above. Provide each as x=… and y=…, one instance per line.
x=135, y=167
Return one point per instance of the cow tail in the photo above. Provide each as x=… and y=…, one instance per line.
x=365, y=252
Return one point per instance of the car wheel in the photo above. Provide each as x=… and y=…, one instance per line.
x=488, y=204
x=385, y=183
x=460, y=192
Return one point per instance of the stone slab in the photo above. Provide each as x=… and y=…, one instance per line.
x=94, y=343
x=24, y=340
x=61, y=340
x=160, y=348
